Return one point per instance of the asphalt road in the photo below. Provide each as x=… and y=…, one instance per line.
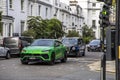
x=73, y=69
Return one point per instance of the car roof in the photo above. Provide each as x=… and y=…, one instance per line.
x=48, y=39
x=96, y=40
x=19, y=37
x=71, y=38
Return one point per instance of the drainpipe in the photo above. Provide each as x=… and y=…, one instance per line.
x=7, y=7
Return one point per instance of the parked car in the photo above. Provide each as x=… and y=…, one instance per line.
x=94, y=45
x=75, y=46
x=4, y=52
x=16, y=44
x=44, y=50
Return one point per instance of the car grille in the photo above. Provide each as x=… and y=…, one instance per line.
x=43, y=55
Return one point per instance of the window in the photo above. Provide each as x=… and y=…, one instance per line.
x=56, y=2
x=22, y=26
x=22, y=4
x=39, y=9
x=94, y=23
x=31, y=9
x=94, y=4
x=46, y=12
x=1, y=2
x=62, y=17
x=10, y=3
x=9, y=29
x=93, y=12
x=72, y=23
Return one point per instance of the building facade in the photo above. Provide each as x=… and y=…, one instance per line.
x=91, y=10
x=15, y=14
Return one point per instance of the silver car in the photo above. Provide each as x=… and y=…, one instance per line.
x=4, y=52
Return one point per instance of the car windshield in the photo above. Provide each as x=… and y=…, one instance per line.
x=95, y=42
x=69, y=41
x=43, y=42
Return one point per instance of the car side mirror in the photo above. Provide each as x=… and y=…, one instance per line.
x=56, y=45
x=28, y=44
x=2, y=45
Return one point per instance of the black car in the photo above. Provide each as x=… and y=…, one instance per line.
x=75, y=46
x=16, y=44
x=94, y=45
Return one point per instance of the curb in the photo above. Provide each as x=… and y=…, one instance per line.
x=96, y=66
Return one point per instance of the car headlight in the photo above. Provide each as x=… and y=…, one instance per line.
x=23, y=51
x=45, y=50
x=88, y=45
x=73, y=48
x=98, y=45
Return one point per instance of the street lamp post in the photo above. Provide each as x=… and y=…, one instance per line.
x=118, y=40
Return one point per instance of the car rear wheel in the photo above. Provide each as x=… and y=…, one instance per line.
x=8, y=56
x=83, y=53
x=24, y=62
x=65, y=57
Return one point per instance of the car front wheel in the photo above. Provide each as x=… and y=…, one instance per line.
x=65, y=57
x=8, y=55
x=24, y=62
x=52, y=61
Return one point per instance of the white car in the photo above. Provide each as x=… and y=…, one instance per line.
x=4, y=52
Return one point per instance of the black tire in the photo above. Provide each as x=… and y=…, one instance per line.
x=65, y=58
x=24, y=62
x=52, y=61
x=8, y=56
x=83, y=53
x=78, y=54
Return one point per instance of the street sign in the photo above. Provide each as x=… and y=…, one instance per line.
x=73, y=3
x=119, y=53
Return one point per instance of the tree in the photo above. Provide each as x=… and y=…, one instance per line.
x=54, y=28
x=30, y=33
x=73, y=33
x=38, y=25
x=88, y=33
x=45, y=28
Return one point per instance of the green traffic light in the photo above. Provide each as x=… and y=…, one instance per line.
x=104, y=12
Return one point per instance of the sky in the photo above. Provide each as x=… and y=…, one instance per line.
x=65, y=1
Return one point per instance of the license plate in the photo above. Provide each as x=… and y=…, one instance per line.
x=32, y=58
x=93, y=47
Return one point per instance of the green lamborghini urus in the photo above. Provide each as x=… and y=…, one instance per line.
x=44, y=50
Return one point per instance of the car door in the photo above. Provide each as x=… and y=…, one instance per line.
x=2, y=51
x=57, y=50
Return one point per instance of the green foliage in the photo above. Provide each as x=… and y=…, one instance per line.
x=73, y=33
x=88, y=33
x=55, y=28
x=29, y=33
x=45, y=28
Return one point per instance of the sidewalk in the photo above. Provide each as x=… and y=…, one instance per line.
x=96, y=66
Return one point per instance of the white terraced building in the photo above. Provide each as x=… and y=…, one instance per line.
x=15, y=14
x=91, y=10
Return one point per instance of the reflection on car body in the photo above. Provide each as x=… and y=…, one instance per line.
x=44, y=50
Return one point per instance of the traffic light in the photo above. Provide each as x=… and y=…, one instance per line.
x=0, y=15
x=104, y=16
x=101, y=0
x=108, y=2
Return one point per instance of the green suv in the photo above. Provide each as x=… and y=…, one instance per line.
x=44, y=50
